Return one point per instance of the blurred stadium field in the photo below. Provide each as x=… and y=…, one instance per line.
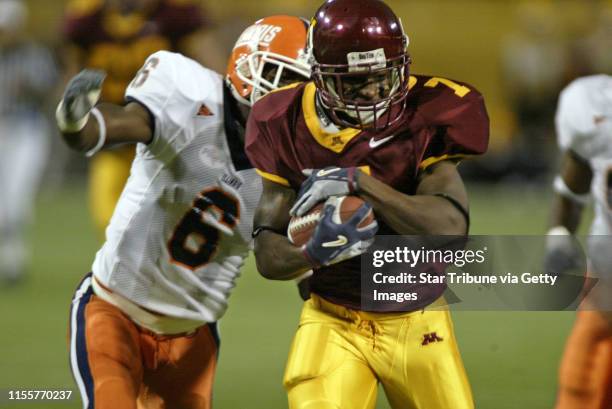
x=511, y=357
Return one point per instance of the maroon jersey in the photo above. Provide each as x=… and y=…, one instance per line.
x=286, y=133
x=119, y=43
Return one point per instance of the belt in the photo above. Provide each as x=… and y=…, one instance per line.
x=150, y=321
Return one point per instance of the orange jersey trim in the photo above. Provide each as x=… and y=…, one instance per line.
x=273, y=178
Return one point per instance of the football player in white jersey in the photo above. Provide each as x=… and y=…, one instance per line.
x=584, y=131
x=142, y=324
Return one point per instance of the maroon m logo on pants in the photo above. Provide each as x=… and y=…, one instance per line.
x=431, y=337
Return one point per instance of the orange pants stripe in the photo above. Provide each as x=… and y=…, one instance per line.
x=585, y=376
x=117, y=364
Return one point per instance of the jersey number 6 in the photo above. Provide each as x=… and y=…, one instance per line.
x=194, y=241
x=143, y=73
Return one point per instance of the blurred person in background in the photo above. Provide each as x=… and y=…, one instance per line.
x=116, y=36
x=584, y=132
x=27, y=75
x=595, y=47
x=534, y=67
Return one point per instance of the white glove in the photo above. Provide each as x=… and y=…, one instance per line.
x=81, y=95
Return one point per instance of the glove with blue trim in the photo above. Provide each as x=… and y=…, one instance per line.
x=322, y=184
x=334, y=241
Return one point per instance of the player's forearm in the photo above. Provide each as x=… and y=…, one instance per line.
x=571, y=188
x=88, y=126
x=566, y=212
x=85, y=139
x=123, y=125
x=277, y=258
x=419, y=214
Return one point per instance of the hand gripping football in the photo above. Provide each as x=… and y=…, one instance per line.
x=301, y=228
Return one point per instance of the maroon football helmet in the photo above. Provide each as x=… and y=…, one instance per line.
x=360, y=62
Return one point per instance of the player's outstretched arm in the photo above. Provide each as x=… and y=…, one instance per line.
x=571, y=187
x=439, y=206
x=87, y=126
x=276, y=257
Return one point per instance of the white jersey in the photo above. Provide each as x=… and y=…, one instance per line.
x=584, y=125
x=182, y=227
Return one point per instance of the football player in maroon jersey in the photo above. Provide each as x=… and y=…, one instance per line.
x=364, y=126
x=117, y=36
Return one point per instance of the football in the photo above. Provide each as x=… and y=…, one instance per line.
x=301, y=228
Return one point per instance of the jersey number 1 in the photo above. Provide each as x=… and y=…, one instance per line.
x=194, y=241
x=460, y=90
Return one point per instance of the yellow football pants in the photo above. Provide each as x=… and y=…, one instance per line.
x=108, y=173
x=339, y=355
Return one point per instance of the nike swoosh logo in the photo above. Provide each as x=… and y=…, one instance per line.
x=325, y=172
x=376, y=143
x=342, y=240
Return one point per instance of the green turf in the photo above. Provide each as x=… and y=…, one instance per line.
x=511, y=358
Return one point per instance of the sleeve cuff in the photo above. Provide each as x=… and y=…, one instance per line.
x=273, y=178
x=435, y=159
